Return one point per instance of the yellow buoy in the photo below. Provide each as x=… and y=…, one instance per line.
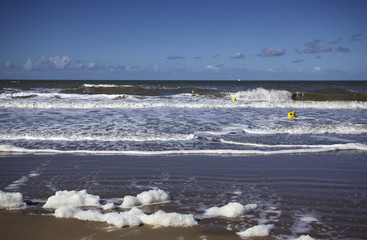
x=178, y=87
x=292, y=114
x=193, y=91
x=234, y=99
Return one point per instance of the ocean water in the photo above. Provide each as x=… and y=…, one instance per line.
x=182, y=117
x=312, y=187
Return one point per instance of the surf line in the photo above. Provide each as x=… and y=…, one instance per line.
x=219, y=152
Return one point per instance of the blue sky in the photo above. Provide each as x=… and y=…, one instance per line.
x=178, y=40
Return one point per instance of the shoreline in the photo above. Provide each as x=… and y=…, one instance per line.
x=322, y=195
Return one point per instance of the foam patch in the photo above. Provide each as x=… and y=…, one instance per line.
x=257, y=231
x=146, y=198
x=305, y=237
x=11, y=201
x=231, y=210
x=131, y=218
x=72, y=198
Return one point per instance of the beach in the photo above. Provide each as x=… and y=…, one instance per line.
x=320, y=195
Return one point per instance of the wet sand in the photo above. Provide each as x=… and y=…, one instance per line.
x=320, y=195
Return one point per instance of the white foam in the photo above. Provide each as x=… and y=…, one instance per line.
x=164, y=219
x=267, y=145
x=16, y=184
x=105, y=85
x=146, y=198
x=130, y=201
x=262, y=94
x=308, y=219
x=123, y=219
x=33, y=174
x=108, y=206
x=104, y=138
x=97, y=101
x=72, y=198
x=304, y=237
x=222, y=152
x=257, y=231
x=132, y=218
x=11, y=201
x=231, y=210
x=311, y=129
x=302, y=223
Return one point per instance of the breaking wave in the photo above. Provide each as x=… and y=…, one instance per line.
x=177, y=104
x=224, y=152
x=104, y=138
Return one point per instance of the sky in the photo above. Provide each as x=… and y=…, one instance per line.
x=184, y=40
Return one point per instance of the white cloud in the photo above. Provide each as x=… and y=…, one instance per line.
x=133, y=69
x=211, y=67
x=92, y=65
x=51, y=63
x=60, y=63
x=28, y=65
x=237, y=55
x=155, y=68
x=116, y=67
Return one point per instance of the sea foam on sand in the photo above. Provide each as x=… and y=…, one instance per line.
x=132, y=218
x=232, y=209
x=72, y=198
x=146, y=198
x=257, y=231
x=123, y=219
x=11, y=200
x=68, y=203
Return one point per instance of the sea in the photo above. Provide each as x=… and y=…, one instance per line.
x=183, y=159
x=182, y=117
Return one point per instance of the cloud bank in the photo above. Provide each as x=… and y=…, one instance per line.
x=315, y=47
x=45, y=64
x=342, y=49
x=272, y=52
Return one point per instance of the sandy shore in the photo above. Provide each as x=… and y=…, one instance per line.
x=320, y=195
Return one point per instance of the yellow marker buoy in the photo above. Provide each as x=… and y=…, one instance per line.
x=234, y=99
x=292, y=114
x=193, y=91
x=178, y=87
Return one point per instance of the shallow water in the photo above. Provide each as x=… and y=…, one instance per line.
x=139, y=117
x=320, y=195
